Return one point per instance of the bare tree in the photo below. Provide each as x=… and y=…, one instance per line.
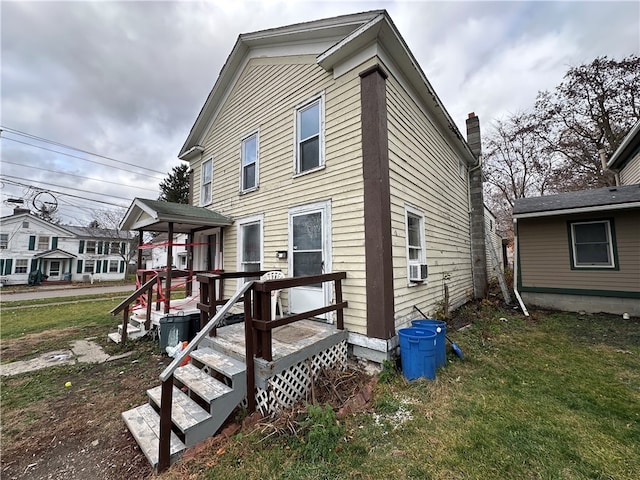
x=591, y=110
x=108, y=222
x=515, y=166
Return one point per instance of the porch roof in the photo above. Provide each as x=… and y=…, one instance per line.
x=55, y=253
x=155, y=216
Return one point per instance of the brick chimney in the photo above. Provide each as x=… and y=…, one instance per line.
x=478, y=249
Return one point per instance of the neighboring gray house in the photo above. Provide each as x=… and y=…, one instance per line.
x=61, y=252
x=625, y=162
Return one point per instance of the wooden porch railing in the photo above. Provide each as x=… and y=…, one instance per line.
x=258, y=330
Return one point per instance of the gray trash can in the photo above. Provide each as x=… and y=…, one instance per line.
x=174, y=329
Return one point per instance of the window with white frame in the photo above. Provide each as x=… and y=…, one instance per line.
x=91, y=246
x=43, y=243
x=592, y=244
x=21, y=265
x=249, y=154
x=309, y=136
x=89, y=266
x=206, y=182
x=250, y=244
x=113, y=266
x=114, y=248
x=4, y=240
x=416, y=257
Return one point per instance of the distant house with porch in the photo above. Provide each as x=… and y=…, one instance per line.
x=60, y=252
x=322, y=147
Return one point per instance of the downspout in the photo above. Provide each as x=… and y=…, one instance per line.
x=515, y=268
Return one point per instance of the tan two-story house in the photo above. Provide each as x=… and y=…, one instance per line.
x=327, y=149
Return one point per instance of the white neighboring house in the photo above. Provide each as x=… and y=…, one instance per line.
x=158, y=247
x=59, y=252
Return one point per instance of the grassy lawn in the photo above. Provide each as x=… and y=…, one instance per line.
x=556, y=396
x=553, y=396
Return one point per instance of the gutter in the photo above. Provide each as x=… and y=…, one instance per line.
x=515, y=268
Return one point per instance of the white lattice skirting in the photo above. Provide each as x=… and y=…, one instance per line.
x=293, y=384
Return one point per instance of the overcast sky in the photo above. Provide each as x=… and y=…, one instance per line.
x=126, y=80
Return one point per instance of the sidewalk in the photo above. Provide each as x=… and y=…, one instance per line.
x=52, y=291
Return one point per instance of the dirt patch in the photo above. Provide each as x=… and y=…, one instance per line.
x=77, y=432
x=31, y=344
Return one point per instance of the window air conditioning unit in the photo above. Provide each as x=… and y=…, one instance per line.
x=417, y=272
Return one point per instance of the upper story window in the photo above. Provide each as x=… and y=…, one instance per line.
x=206, y=183
x=4, y=240
x=43, y=243
x=249, y=154
x=25, y=224
x=91, y=246
x=309, y=136
x=592, y=244
x=114, y=248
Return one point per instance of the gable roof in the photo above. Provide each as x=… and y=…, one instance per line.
x=599, y=199
x=21, y=217
x=55, y=253
x=332, y=40
x=625, y=152
x=155, y=216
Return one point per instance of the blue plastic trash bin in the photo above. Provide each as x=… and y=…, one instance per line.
x=418, y=353
x=441, y=340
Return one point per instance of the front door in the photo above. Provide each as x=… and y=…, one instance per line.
x=54, y=270
x=309, y=254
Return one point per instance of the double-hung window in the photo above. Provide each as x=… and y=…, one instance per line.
x=250, y=244
x=309, y=136
x=91, y=246
x=89, y=266
x=43, y=243
x=206, y=183
x=4, y=240
x=249, y=160
x=113, y=266
x=21, y=265
x=592, y=244
x=416, y=256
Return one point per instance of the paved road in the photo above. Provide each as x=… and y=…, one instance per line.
x=66, y=291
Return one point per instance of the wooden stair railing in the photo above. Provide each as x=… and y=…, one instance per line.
x=124, y=307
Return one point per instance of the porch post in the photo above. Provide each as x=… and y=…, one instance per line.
x=189, y=286
x=140, y=243
x=377, y=204
x=167, y=286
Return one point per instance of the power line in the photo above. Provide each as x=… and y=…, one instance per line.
x=80, y=176
x=53, y=142
x=64, y=193
x=74, y=156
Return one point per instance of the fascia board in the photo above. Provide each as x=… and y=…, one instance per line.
x=631, y=141
x=573, y=211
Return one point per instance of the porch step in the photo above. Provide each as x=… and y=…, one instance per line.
x=199, y=383
x=211, y=360
x=133, y=333
x=144, y=424
x=192, y=420
x=137, y=322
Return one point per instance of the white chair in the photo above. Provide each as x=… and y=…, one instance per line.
x=275, y=294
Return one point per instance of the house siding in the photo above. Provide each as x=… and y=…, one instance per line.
x=630, y=174
x=545, y=262
x=265, y=97
x=424, y=175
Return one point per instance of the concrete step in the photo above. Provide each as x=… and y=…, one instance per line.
x=210, y=360
x=137, y=321
x=192, y=420
x=144, y=424
x=201, y=384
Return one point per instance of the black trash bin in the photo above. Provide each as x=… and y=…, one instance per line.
x=173, y=329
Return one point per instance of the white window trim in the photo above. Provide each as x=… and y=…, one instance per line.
x=19, y=264
x=255, y=133
x=296, y=161
x=409, y=210
x=612, y=264
x=245, y=221
x=117, y=269
x=4, y=243
x=204, y=202
x=39, y=244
